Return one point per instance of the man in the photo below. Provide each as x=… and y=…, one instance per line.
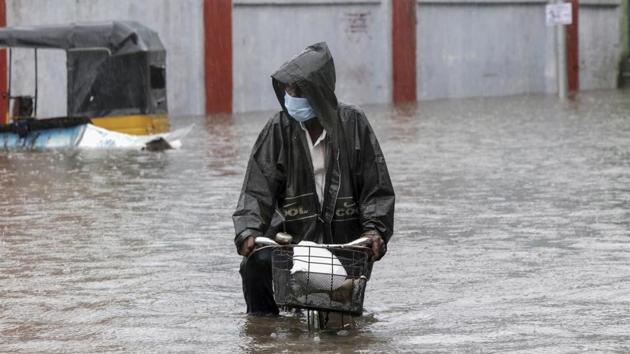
x=316, y=172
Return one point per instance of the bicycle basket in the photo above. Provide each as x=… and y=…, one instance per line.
x=319, y=278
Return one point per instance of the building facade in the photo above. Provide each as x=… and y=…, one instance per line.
x=220, y=53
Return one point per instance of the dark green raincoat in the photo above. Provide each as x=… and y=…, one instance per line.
x=279, y=189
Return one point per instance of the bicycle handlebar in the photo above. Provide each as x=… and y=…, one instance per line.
x=360, y=242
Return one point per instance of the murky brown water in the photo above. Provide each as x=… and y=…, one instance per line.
x=512, y=235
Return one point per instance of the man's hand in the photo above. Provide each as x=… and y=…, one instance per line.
x=247, y=246
x=379, y=248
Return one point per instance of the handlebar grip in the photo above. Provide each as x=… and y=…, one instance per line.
x=265, y=241
x=363, y=241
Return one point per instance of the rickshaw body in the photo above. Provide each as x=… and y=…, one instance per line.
x=116, y=76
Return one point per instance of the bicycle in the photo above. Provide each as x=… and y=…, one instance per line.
x=322, y=279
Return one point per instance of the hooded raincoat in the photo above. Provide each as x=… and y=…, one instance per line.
x=279, y=192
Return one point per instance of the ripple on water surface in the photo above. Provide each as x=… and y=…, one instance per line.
x=512, y=234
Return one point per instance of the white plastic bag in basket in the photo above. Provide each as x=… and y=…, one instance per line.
x=317, y=267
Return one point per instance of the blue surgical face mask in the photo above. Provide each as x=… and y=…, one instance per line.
x=298, y=108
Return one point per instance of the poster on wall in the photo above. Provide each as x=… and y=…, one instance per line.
x=558, y=14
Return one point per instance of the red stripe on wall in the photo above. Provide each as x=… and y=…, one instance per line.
x=4, y=100
x=404, y=50
x=217, y=19
x=573, y=69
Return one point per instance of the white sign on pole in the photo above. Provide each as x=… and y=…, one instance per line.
x=559, y=14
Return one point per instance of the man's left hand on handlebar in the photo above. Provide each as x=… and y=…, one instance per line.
x=247, y=246
x=378, y=246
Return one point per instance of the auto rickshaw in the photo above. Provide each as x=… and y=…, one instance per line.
x=116, y=78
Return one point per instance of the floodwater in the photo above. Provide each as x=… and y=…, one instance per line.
x=512, y=235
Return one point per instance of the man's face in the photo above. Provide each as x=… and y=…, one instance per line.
x=293, y=90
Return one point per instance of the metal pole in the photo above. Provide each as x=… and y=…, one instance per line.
x=561, y=59
x=10, y=61
x=9, y=88
x=573, y=49
x=35, y=99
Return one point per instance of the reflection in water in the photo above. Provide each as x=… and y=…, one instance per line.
x=223, y=145
x=511, y=235
x=289, y=333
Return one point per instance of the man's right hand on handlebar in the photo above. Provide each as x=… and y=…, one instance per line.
x=377, y=245
x=247, y=246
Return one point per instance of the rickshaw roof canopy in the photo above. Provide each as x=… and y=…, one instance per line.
x=115, y=37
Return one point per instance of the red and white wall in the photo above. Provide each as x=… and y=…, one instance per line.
x=220, y=53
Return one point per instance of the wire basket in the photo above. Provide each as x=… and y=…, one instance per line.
x=321, y=278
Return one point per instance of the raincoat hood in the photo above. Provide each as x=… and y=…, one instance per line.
x=313, y=71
